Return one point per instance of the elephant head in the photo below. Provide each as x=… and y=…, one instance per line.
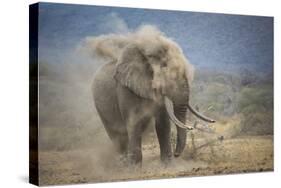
x=157, y=70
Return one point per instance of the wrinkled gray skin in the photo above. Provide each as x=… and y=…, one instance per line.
x=126, y=106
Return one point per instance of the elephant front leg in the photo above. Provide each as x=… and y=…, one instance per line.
x=163, y=130
x=134, y=148
x=135, y=141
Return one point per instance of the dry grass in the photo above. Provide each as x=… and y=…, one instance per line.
x=235, y=155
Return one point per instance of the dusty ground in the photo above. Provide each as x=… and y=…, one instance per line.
x=235, y=155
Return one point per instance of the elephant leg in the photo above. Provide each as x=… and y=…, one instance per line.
x=135, y=141
x=163, y=130
x=117, y=132
x=120, y=141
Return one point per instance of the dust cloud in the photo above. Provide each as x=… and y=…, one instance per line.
x=71, y=135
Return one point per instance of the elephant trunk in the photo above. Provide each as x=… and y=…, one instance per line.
x=177, y=114
x=180, y=112
x=179, y=122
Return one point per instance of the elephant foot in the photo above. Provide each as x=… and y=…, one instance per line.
x=134, y=160
x=135, y=168
x=166, y=163
x=166, y=159
x=122, y=159
x=170, y=163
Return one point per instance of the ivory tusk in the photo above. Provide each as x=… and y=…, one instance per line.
x=173, y=118
x=200, y=116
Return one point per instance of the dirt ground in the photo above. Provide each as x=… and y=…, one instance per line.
x=201, y=157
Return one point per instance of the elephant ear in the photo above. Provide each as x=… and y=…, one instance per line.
x=134, y=72
x=189, y=72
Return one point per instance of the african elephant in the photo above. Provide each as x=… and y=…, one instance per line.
x=149, y=81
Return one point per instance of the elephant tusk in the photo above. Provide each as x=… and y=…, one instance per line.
x=173, y=118
x=200, y=116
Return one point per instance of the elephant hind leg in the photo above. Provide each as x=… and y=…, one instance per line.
x=117, y=132
x=119, y=139
x=121, y=142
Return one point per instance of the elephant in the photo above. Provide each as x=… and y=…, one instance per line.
x=149, y=81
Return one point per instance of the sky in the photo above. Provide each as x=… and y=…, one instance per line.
x=207, y=39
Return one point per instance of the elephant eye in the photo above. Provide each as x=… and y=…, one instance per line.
x=153, y=57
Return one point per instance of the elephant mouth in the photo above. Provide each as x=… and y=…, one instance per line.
x=187, y=125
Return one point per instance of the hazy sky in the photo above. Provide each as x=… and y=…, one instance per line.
x=212, y=40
